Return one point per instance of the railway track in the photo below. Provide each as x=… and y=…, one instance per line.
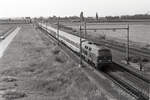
x=124, y=82
x=129, y=82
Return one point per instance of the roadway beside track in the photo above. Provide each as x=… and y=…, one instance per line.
x=7, y=40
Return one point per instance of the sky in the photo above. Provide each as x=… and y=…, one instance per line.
x=37, y=8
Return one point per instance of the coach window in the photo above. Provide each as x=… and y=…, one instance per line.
x=85, y=52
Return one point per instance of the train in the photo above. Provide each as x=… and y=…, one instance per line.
x=96, y=55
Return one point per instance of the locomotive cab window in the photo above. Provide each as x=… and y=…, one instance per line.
x=105, y=52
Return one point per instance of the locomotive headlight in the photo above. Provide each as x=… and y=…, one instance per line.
x=109, y=60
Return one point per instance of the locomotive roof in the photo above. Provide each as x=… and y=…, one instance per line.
x=94, y=46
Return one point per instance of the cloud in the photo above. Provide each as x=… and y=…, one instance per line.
x=10, y=8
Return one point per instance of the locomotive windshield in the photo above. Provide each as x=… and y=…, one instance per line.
x=105, y=54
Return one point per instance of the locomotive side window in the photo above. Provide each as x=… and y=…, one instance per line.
x=86, y=47
x=85, y=52
x=90, y=49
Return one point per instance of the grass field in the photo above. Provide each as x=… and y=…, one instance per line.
x=5, y=27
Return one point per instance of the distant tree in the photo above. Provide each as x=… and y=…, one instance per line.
x=9, y=19
x=97, y=17
x=137, y=16
x=81, y=16
x=41, y=18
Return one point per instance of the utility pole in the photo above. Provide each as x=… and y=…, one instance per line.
x=80, y=28
x=81, y=41
x=46, y=25
x=140, y=63
x=85, y=29
x=97, y=19
x=58, y=29
x=127, y=49
x=80, y=47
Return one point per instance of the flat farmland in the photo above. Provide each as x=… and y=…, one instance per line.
x=5, y=27
x=139, y=32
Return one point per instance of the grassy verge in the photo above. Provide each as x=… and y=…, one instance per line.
x=34, y=68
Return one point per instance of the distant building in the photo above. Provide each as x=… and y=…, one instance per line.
x=28, y=20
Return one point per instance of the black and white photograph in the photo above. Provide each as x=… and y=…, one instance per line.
x=74, y=50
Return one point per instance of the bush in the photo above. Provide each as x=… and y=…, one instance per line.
x=9, y=79
x=74, y=30
x=102, y=37
x=56, y=51
x=58, y=59
x=11, y=95
x=134, y=60
x=145, y=60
